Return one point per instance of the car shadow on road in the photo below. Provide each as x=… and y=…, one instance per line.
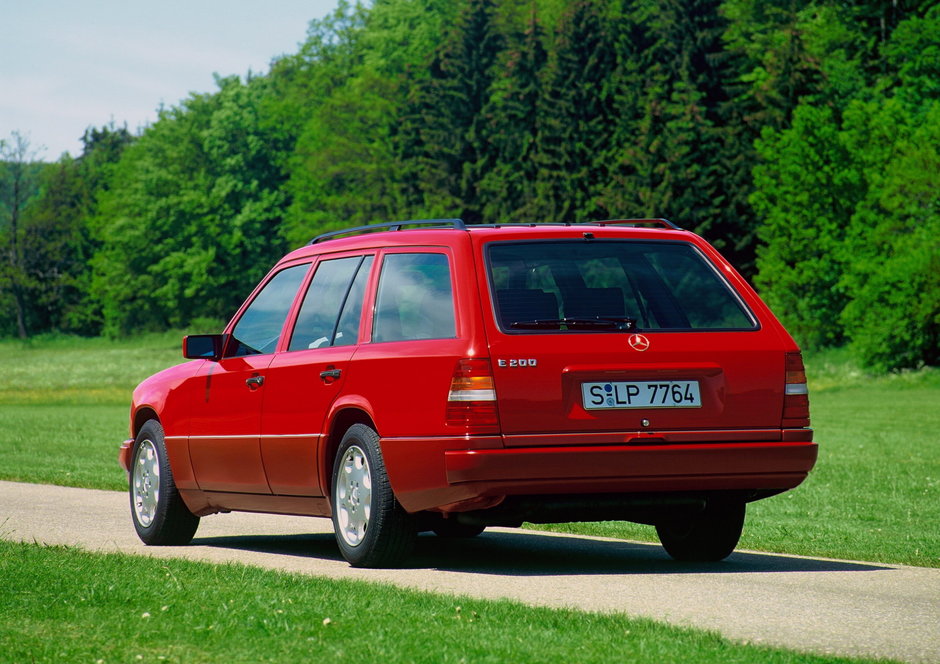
x=528, y=553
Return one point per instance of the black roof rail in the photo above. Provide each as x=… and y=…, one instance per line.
x=664, y=223
x=457, y=224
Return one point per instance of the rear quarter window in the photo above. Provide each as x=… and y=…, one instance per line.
x=414, y=299
x=658, y=285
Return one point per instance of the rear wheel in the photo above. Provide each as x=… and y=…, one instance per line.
x=372, y=529
x=707, y=537
x=159, y=513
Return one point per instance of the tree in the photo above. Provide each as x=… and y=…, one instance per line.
x=443, y=141
x=508, y=187
x=849, y=197
x=344, y=170
x=192, y=220
x=18, y=160
x=892, y=249
x=806, y=190
x=681, y=149
x=770, y=35
x=576, y=117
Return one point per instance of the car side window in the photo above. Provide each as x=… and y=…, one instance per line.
x=332, y=306
x=259, y=328
x=414, y=299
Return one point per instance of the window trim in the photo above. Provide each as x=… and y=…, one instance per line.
x=372, y=298
x=291, y=311
x=298, y=303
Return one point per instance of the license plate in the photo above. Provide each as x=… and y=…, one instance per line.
x=642, y=394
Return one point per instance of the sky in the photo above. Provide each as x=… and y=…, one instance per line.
x=66, y=65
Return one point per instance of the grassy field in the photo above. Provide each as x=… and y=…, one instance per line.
x=63, y=411
x=64, y=405
x=874, y=495
x=63, y=605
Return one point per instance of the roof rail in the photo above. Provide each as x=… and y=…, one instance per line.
x=457, y=224
x=663, y=223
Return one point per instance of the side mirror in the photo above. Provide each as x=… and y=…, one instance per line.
x=202, y=346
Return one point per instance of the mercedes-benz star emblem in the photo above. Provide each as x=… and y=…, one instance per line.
x=638, y=342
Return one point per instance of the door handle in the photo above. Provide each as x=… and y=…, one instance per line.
x=255, y=381
x=330, y=373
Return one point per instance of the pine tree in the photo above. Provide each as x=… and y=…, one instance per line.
x=444, y=138
x=508, y=188
x=576, y=117
x=680, y=151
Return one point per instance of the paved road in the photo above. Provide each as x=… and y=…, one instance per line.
x=811, y=604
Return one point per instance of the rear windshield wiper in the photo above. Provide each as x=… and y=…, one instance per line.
x=599, y=323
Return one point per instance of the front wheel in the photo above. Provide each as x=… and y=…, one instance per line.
x=707, y=537
x=372, y=528
x=159, y=513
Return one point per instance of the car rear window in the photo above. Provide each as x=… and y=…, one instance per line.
x=605, y=285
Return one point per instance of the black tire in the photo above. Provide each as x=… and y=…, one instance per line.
x=707, y=537
x=372, y=529
x=160, y=516
x=451, y=529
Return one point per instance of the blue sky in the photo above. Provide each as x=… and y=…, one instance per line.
x=66, y=65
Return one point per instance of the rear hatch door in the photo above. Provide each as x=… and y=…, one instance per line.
x=625, y=340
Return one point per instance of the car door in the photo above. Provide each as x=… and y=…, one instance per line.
x=225, y=432
x=302, y=382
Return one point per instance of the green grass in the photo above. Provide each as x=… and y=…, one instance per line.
x=874, y=494
x=73, y=370
x=63, y=605
x=64, y=405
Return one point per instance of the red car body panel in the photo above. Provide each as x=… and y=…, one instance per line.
x=269, y=447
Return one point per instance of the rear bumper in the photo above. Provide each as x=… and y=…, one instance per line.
x=425, y=474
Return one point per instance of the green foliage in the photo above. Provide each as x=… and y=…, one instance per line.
x=191, y=222
x=343, y=172
x=848, y=192
x=576, y=116
x=680, y=149
x=508, y=187
x=792, y=135
x=893, y=279
x=806, y=190
x=444, y=140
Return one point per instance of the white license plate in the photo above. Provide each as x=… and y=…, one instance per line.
x=641, y=394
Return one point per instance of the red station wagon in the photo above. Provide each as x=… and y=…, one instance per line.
x=437, y=376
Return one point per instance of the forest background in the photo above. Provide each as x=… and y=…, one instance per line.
x=801, y=138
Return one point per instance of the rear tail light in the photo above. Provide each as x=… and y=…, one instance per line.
x=471, y=401
x=796, y=394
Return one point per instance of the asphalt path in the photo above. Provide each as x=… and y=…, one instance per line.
x=807, y=604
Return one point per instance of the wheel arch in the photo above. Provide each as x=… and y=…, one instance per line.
x=339, y=425
x=141, y=416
